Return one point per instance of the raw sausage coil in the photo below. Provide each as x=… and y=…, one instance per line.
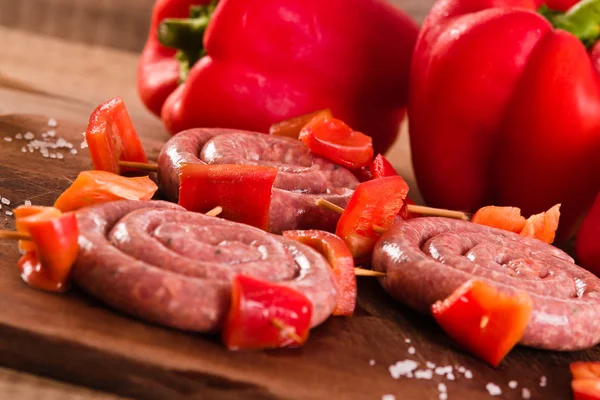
x=302, y=178
x=163, y=264
x=426, y=259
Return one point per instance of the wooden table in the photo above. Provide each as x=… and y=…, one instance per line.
x=63, y=57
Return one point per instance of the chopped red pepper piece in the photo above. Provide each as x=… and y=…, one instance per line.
x=506, y=218
x=94, y=187
x=292, y=127
x=375, y=202
x=586, y=380
x=483, y=320
x=543, y=226
x=381, y=167
x=53, y=249
x=336, y=141
x=339, y=257
x=243, y=191
x=265, y=315
x=111, y=137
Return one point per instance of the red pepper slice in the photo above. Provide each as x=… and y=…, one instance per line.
x=506, y=218
x=381, y=167
x=292, y=127
x=94, y=187
x=375, y=202
x=257, y=307
x=243, y=191
x=48, y=264
x=339, y=257
x=111, y=137
x=483, y=320
x=21, y=221
x=586, y=380
x=336, y=141
x=543, y=226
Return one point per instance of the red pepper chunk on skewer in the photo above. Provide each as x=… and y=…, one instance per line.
x=338, y=255
x=483, y=320
x=53, y=247
x=243, y=191
x=291, y=127
x=586, y=380
x=373, y=203
x=265, y=315
x=111, y=137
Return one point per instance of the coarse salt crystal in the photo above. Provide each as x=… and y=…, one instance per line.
x=8, y=212
x=44, y=135
x=468, y=374
x=513, y=384
x=19, y=136
x=403, y=368
x=52, y=155
x=423, y=374
x=24, y=149
x=411, y=350
x=430, y=365
x=0, y=206
x=83, y=145
x=29, y=136
x=52, y=123
x=27, y=202
x=8, y=139
x=442, y=387
x=525, y=393
x=51, y=133
x=5, y=201
x=443, y=396
x=543, y=381
x=59, y=156
x=371, y=362
x=461, y=369
x=73, y=151
x=443, y=370
x=450, y=377
x=388, y=397
x=493, y=390
x=407, y=340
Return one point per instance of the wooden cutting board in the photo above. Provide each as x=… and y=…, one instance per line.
x=74, y=338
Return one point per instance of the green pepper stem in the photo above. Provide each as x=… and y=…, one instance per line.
x=582, y=20
x=187, y=36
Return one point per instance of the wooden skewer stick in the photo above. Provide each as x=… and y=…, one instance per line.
x=367, y=272
x=138, y=165
x=16, y=235
x=438, y=212
x=277, y=323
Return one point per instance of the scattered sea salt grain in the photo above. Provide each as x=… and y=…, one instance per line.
x=52, y=123
x=543, y=381
x=513, y=384
x=27, y=202
x=29, y=136
x=423, y=374
x=5, y=201
x=403, y=368
x=371, y=362
x=44, y=135
x=407, y=340
x=51, y=133
x=73, y=151
x=59, y=156
x=443, y=370
x=8, y=139
x=525, y=393
x=19, y=136
x=83, y=145
x=411, y=350
x=468, y=374
x=24, y=149
x=443, y=396
x=442, y=387
x=450, y=376
x=52, y=155
x=8, y=213
x=430, y=365
x=493, y=390
x=0, y=206
x=388, y=397
x=461, y=369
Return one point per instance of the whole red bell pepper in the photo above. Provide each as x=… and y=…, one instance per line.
x=243, y=191
x=248, y=64
x=504, y=107
x=587, y=243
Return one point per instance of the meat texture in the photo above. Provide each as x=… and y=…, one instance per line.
x=302, y=178
x=426, y=259
x=163, y=264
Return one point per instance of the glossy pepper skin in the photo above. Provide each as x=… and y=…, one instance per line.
x=587, y=244
x=272, y=60
x=503, y=110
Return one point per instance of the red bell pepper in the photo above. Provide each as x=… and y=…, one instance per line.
x=375, y=202
x=586, y=380
x=287, y=58
x=243, y=191
x=483, y=320
x=94, y=187
x=381, y=168
x=333, y=139
x=338, y=255
x=111, y=137
x=265, y=315
x=503, y=107
x=292, y=127
x=587, y=243
x=53, y=248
